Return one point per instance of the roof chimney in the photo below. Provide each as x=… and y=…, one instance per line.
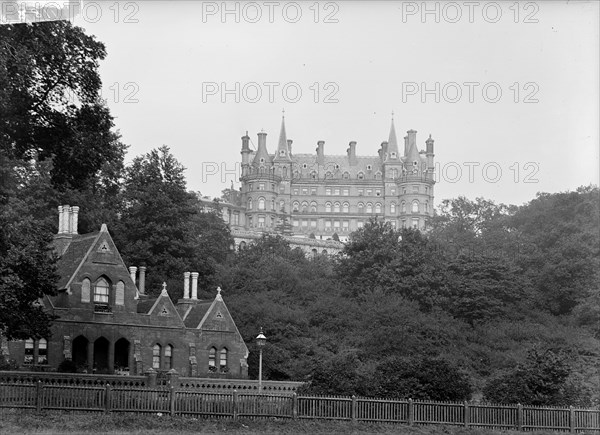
x=73, y=219
x=64, y=228
x=289, y=144
x=142, y=282
x=132, y=272
x=60, y=219
x=195, y=285
x=321, y=152
x=186, y=285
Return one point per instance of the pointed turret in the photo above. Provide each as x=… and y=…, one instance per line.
x=392, y=146
x=283, y=152
x=412, y=154
x=262, y=156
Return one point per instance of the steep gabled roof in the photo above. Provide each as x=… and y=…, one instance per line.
x=73, y=258
x=163, y=306
x=196, y=313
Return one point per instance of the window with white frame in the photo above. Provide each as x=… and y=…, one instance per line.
x=101, y=291
x=156, y=356
x=415, y=207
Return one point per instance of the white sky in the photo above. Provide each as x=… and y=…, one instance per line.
x=372, y=52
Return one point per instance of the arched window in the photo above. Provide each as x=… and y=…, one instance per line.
x=212, y=359
x=120, y=293
x=101, y=291
x=282, y=205
x=42, y=351
x=249, y=203
x=346, y=207
x=393, y=208
x=361, y=207
x=223, y=359
x=378, y=175
x=29, y=345
x=369, y=207
x=336, y=207
x=261, y=203
x=403, y=209
x=156, y=356
x=426, y=207
x=378, y=208
x=361, y=176
x=296, y=206
x=313, y=174
x=328, y=207
x=86, y=286
x=328, y=175
x=272, y=204
x=346, y=175
x=168, y=357
x=415, y=207
x=313, y=207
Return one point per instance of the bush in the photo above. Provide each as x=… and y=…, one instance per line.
x=67, y=366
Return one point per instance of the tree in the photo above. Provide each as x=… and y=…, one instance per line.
x=543, y=380
x=284, y=226
x=164, y=227
x=27, y=265
x=50, y=104
x=423, y=379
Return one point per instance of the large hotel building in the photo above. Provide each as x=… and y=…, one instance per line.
x=319, y=195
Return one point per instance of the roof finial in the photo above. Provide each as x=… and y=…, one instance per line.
x=219, y=297
x=283, y=113
x=164, y=290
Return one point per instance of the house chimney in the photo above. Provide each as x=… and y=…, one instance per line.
x=289, y=144
x=64, y=228
x=73, y=219
x=142, y=280
x=132, y=271
x=262, y=140
x=321, y=152
x=412, y=139
x=186, y=285
x=195, y=285
x=384, y=150
x=60, y=219
x=405, y=146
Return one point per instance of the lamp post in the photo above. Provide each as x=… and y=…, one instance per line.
x=261, y=340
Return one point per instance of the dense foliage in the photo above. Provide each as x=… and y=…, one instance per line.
x=488, y=303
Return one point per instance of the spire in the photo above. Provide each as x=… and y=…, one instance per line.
x=283, y=152
x=392, y=147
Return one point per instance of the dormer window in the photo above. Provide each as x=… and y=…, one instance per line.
x=262, y=160
x=282, y=153
x=393, y=155
x=415, y=163
x=369, y=167
x=304, y=166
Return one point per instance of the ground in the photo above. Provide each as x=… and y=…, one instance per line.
x=18, y=421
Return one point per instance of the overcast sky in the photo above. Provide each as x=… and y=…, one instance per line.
x=516, y=84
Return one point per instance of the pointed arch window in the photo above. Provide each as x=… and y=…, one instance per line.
x=346, y=207
x=336, y=207
x=313, y=207
x=168, y=357
x=296, y=206
x=101, y=291
x=328, y=207
x=156, y=356
x=369, y=208
x=86, y=287
x=223, y=359
x=378, y=208
x=304, y=207
x=261, y=203
x=212, y=359
x=361, y=207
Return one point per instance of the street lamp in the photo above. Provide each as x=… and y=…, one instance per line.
x=261, y=340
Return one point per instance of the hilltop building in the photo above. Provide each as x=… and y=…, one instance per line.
x=107, y=324
x=321, y=195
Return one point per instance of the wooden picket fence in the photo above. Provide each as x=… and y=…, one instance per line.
x=235, y=404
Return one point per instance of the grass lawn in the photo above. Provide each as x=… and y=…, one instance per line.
x=18, y=421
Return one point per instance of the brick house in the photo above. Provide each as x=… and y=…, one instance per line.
x=107, y=324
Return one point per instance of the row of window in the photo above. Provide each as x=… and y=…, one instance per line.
x=391, y=173
x=36, y=349
x=344, y=225
x=338, y=191
x=368, y=208
x=101, y=291
x=222, y=360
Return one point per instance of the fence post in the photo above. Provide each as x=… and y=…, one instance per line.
x=353, y=410
x=519, y=416
x=295, y=406
x=466, y=416
x=235, y=404
x=172, y=400
x=411, y=412
x=38, y=395
x=571, y=419
x=107, y=398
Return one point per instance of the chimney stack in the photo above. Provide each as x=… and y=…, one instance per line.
x=321, y=152
x=186, y=285
x=412, y=139
x=132, y=271
x=66, y=211
x=405, y=146
x=195, y=285
x=142, y=280
x=73, y=219
x=384, y=150
x=262, y=140
x=352, y=153
x=60, y=219
x=289, y=145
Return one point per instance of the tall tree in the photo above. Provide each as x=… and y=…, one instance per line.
x=164, y=227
